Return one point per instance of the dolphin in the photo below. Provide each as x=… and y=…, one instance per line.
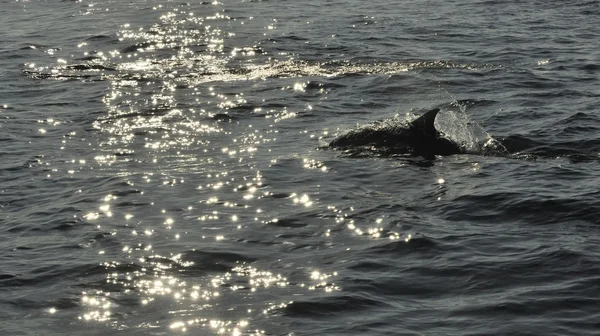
x=417, y=138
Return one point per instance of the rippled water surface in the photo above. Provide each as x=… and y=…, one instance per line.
x=164, y=168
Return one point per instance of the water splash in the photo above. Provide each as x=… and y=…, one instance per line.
x=457, y=124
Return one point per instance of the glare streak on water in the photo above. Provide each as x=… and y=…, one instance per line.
x=163, y=168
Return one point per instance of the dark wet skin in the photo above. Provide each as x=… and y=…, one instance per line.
x=418, y=138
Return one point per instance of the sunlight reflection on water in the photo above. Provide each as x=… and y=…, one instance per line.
x=193, y=144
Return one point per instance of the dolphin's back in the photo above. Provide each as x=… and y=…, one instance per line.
x=418, y=138
x=378, y=134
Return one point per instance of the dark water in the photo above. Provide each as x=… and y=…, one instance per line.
x=162, y=168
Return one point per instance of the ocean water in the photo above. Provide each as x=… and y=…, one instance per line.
x=164, y=168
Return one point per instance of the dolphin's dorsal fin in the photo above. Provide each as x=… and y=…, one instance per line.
x=424, y=123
